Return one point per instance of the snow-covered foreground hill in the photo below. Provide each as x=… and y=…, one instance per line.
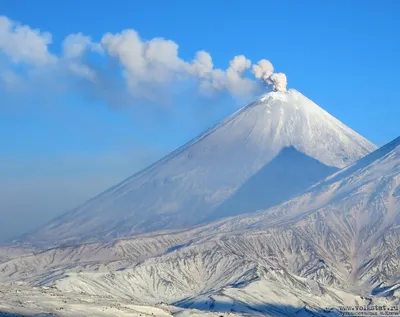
x=337, y=244
x=19, y=301
x=266, y=153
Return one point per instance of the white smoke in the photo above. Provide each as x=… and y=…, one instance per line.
x=278, y=81
x=202, y=64
x=240, y=64
x=75, y=45
x=157, y=62
x=264, y=71
x=232, y=79
x=24, y=45
x=148, y=66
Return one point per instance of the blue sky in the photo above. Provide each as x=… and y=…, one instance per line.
x=62, y=140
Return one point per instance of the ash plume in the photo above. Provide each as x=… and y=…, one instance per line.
x=264, y=71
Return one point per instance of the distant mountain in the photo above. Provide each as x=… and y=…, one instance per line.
x=265, y=153
x=337, y=244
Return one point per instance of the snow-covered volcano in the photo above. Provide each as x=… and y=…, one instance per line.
x=190, y=186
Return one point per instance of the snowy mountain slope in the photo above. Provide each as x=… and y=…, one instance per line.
x=93, y=257
x=34, y=265
x=372, y=183
x=191, y=277
x=337, y=244
x=268, y=295
x=186, y=187
x=350, y=221
x=18, y=301
x=9, y=252
x=252, y=300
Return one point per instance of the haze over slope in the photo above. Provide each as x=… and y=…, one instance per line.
x=186, y=187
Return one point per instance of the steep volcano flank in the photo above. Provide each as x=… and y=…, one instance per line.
x=186, y=187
